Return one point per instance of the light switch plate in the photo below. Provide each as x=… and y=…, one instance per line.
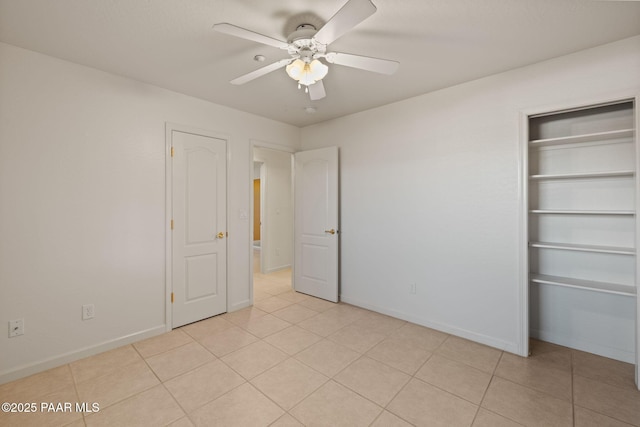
x=16, y=327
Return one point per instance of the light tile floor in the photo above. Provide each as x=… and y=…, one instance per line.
x=293, y=360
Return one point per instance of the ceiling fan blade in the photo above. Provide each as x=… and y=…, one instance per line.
x=350, y=15
x=316, y=91
x=249, y=35
x=261, y=72
x=382, y=66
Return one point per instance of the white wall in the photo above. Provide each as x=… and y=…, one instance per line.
x=82, y=205
x=430, y=191
x=277, y=211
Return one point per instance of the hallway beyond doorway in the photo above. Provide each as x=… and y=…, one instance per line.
x=269, y=285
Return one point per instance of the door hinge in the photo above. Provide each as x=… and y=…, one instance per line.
x=171, y=297
x=172, y=224
x=172, y=151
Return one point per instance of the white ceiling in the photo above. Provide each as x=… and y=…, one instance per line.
x=439, y=43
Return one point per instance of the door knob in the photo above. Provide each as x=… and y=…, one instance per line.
x=220, y=235
x=332, y=231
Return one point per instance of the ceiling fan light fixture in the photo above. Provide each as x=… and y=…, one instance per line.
x=318, y=70
x=307, y=73
x=294, y=70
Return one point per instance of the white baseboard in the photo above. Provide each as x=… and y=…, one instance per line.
x=462, y=333
x=589, y=347
x=239, y=306
x=278, y=268
x=34, y=368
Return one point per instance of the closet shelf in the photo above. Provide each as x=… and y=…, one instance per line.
x=610, y=288
x=581, y=212
x=584, y=248
x=598, y=136
x=610, y=174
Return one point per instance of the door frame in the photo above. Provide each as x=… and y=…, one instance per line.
x=168, y=275
x=523, y=199
x=253, y=144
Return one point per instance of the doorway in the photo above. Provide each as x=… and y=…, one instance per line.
x=272, y=230
x=310, y=249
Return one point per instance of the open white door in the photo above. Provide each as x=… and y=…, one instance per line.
x=316, y=223
x=199, y=211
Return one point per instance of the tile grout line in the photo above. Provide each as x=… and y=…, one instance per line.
x=75, y=388
x=117, y=401
x=184, y=413
x=188, y=414
x=184, y=373
x=593, y=409
x=299, y=351
x=286, y=411
x=493, y=373
x=160, y=382
x=208, y=402
x=411, y=376
x=158, y=378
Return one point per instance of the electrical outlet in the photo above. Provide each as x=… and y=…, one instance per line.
x=412, y=288
x=16, y=327
x=88, y=311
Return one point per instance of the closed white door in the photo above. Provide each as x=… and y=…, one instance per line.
x=316, y=223
x=199, y=237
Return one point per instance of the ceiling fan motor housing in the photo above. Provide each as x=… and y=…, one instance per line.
x=302, y=43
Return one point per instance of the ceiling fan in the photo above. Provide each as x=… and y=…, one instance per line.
x=307, y=45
